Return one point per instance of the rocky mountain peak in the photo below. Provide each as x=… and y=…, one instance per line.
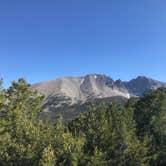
x=73, y=90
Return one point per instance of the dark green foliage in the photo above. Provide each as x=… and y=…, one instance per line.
x=110, y=129
x=150, y=115
x=131, y=134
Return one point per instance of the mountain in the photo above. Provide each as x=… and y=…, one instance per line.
x=69, y=95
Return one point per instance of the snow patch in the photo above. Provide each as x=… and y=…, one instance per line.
x=95, y=76
x=82, y=81
x=128, y=96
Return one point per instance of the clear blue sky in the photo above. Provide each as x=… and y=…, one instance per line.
x=45, y=39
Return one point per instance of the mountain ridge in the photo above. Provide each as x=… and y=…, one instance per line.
x=81, y=89
x=69, y=95
x=96, y=86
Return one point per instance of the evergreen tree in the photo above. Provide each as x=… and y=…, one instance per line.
x=107, y=134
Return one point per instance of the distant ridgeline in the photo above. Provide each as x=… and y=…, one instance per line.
x=71, y=95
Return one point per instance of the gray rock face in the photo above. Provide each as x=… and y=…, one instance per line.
x=142, y=84
x=69, y=91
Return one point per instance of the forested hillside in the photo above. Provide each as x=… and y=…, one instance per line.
x=132, y=134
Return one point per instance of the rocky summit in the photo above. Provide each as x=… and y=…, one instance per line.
x=65, y=93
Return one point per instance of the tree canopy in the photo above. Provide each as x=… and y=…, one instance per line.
x=108, y=134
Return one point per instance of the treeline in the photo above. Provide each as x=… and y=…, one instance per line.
x=133, y=134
